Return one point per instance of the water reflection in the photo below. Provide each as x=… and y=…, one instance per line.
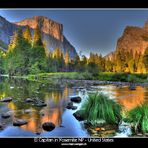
x=129, y=99
x=55, y=98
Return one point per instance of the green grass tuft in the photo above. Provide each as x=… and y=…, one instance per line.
x=99, y=108
x=139, y=118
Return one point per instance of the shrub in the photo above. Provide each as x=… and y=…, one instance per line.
x=132, y=78
x=98, y=108
x=119, y=77
x=87, y=76
x=139, y=118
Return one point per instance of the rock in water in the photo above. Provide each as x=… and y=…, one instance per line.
x=1, y=126
x=78, y=116
x=132, y=87
x=19, y=122
x=27, y=111
x=41, y=104
x=48, y=126
x=76, y=99
x=69, y=105
x=5, y=115
x=6, y=99
x=38, y=133
x=29, y=100
x=74, y=107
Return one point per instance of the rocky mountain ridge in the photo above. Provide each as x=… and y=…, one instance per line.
x=134, y=39
x=52, y=33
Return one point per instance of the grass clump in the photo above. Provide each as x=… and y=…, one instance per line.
x=100, y=109
x=138, y=117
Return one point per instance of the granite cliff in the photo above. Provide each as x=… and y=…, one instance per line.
x=134, y=39
x=52, y=33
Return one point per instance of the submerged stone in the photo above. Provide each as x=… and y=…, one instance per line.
x=19, y=122
x=8, y=99
x=69, y=105
x=1, y=126
x=74, y=107
x=5, y=115
x=76, y=99
x=78, y=116
x=41, y=104
x=48, y=126
x=132, y=87
x=28, y=111
x=29, y=100
x=38, y=133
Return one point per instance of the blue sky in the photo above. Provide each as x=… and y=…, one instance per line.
x=88, y=30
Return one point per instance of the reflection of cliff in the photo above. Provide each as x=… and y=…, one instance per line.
x=130, y=99
x=54, y=116
x=36, y=120
x=20, y=90
x=56, y=96
x=34, y=124
x=66, y=92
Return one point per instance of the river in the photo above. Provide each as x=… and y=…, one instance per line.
x=56, y=97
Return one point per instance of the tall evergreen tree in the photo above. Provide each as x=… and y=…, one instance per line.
x=27, y=34
x=37, y=39
x=145, y=59
x=66, y=58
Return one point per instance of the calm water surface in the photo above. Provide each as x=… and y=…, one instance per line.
x=56, y=98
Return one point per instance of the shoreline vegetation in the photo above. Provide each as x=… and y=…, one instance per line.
x=105, y=117
x=103, y=78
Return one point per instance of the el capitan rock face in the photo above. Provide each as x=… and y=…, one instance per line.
x=52, y=33
x=46, y=25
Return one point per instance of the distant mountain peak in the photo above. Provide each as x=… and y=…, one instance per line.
x=2, y=18
x=46, y=25
x=52, y=33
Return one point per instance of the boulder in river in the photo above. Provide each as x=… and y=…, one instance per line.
x=132, y=87
x=27, y=111
x=78, y=116
x=38, y=133
x=74, y=107
x=48, y=126
x=1, y=126
x=5, y=115
x=41, y=104
x=19, y=122
x=8, y=99
x=76, y=99
x=29, y=100
x=69, y=105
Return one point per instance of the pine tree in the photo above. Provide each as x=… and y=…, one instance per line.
x=141, y=66
x=27, y=34
x=145, y=59
x=13, y=41
x=37, y=39
x=57, y=53
x=17, y=56
x=66, y=58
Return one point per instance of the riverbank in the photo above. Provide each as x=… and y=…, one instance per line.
x=98, y=82
x=103, y=78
